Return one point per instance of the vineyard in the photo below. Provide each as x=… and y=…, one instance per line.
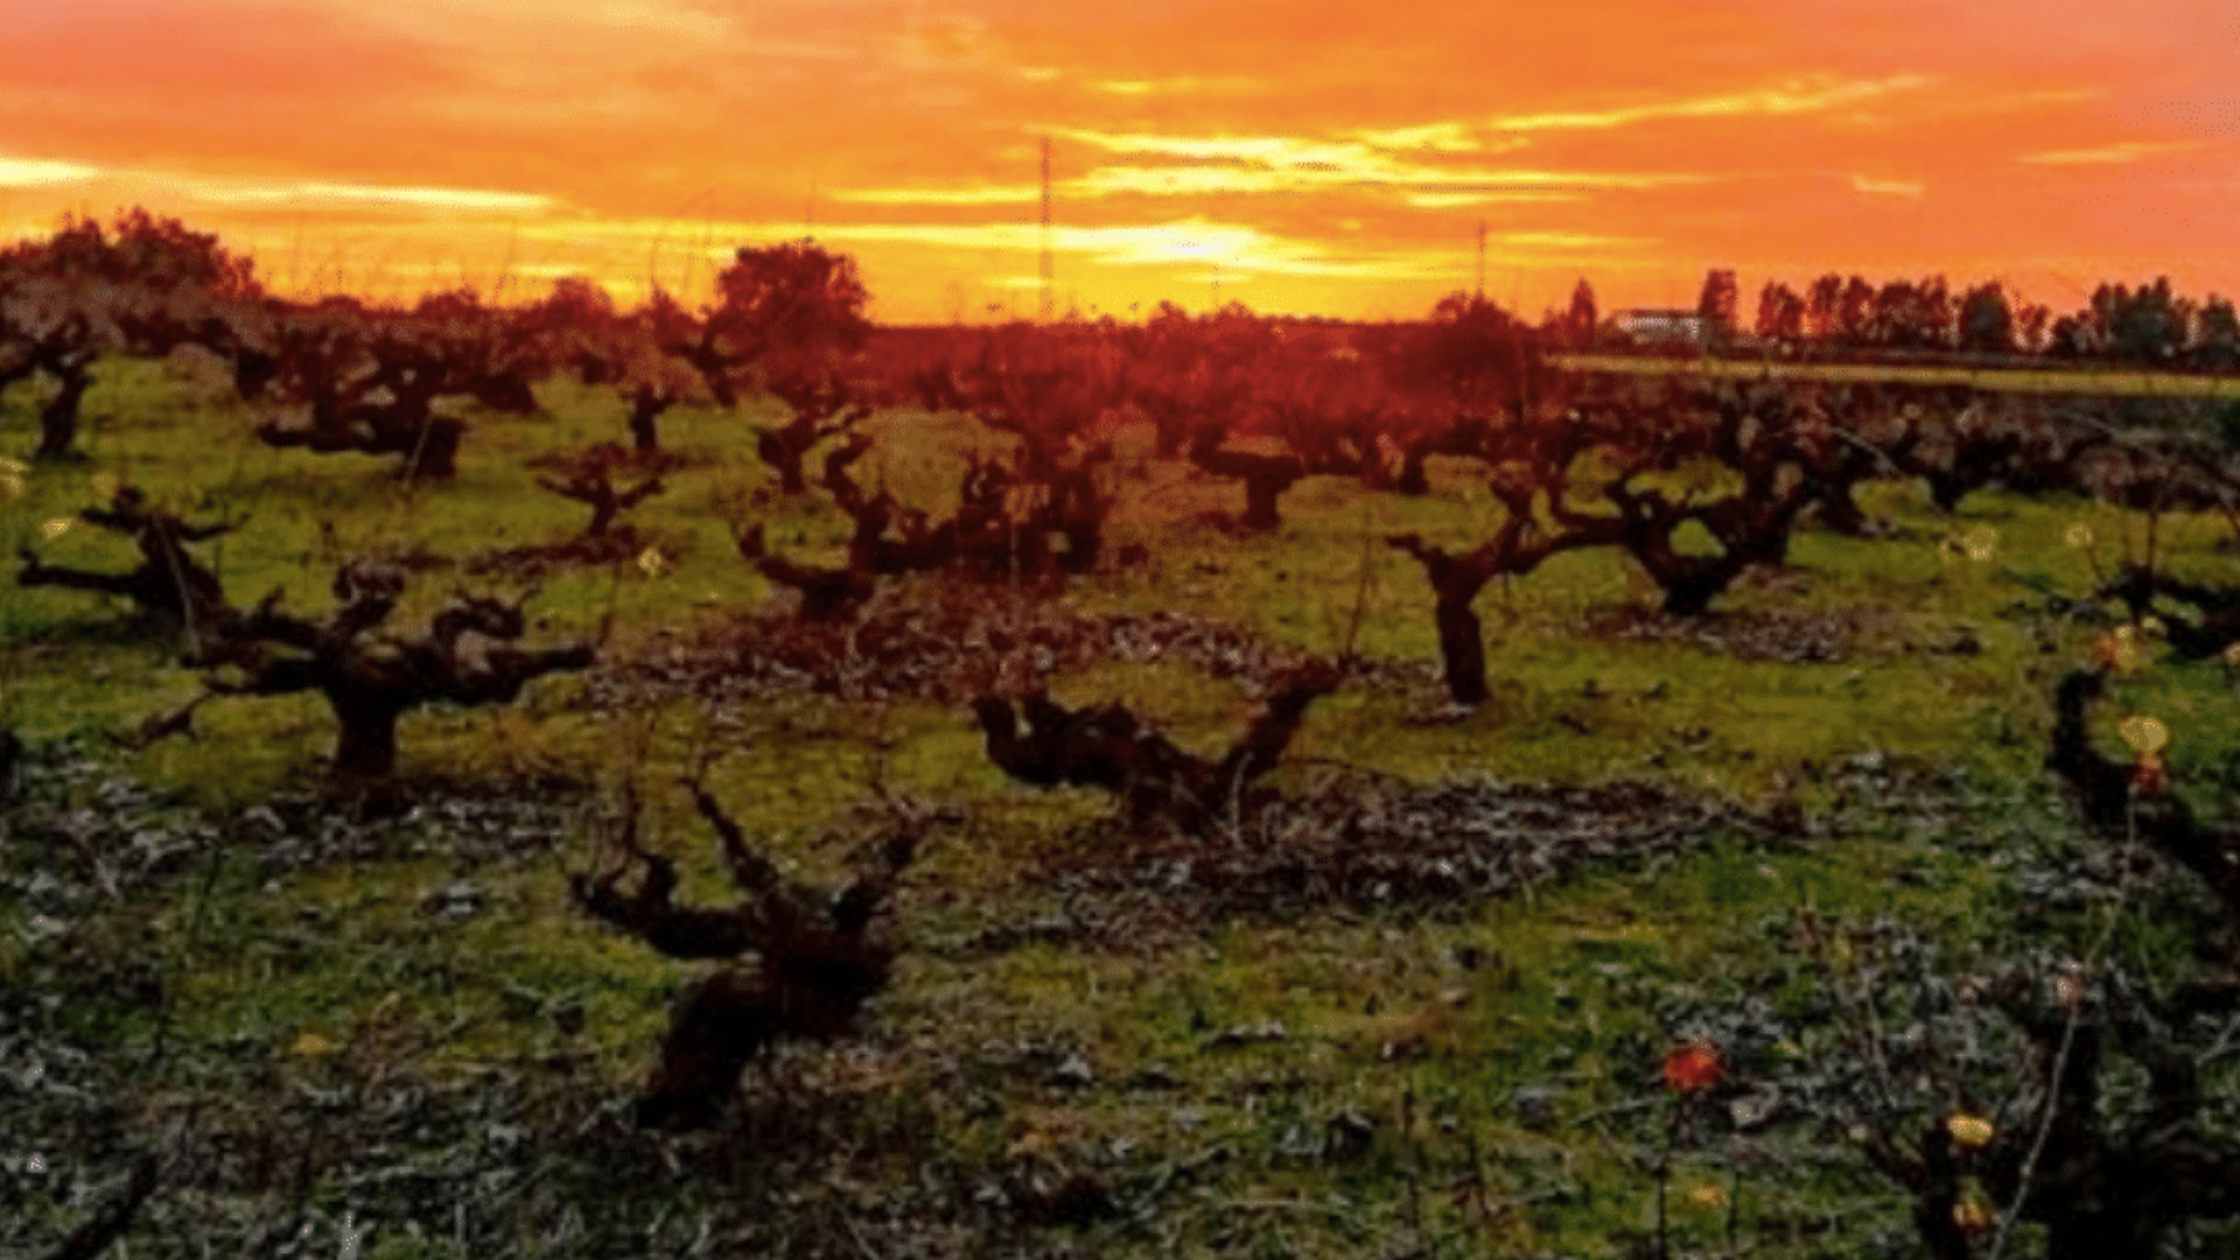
x=561, y=781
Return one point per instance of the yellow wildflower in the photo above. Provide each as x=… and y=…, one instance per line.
x=1968, y=1130
x=1974, y=1216
x=2145, y=735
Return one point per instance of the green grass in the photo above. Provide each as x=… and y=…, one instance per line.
x=2095, y=381
x=1383, y=1116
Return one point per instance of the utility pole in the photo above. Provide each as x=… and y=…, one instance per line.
x=1049, y=267
x=1481, y=260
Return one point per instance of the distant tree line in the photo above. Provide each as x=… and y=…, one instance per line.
x=2149, y=325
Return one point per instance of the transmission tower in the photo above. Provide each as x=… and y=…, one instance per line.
x=1481, y=260
x=1049, y=266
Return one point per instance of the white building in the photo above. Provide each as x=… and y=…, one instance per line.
x=1662, y=326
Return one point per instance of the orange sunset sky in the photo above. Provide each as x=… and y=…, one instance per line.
x=1312, y=157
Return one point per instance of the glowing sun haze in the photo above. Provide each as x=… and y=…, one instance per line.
x=1300, y=156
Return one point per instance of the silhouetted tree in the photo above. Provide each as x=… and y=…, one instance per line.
x=1854, y=324
x=1781, y=314
x=2031, y=322
x=2071, y=337
x=1986, y=321
x=1824, y=308
x=1911, y=316
x=796, y=296
x=137, y=250
x=796, y=300
x=2149, y=325
x=1580, y=319
x=2217, y=340
x=1720, y=305
x=1480, y=356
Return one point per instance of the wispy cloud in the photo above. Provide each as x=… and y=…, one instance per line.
x=1293, y=164
x=1887, y=187
x=1439, y=137
x=559, y=22
x=1457, y=200
x=266, y=193
x=1225, y=85
x=2112, y=154
x=309, y=194
x=44, y=172
x=976, y=195
x=2005, y=102
x=1234, y=247
x=1226, y=165
x=1281, y=152
x=1571, y=240
x=1419, y=187
x=1808, y=95
x=1192, y=181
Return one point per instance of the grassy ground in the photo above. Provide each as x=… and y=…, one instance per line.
x=400, y=1025
x=2088, y=382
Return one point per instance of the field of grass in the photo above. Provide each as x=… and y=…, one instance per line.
x=2094, y=381
x=399, y=1027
